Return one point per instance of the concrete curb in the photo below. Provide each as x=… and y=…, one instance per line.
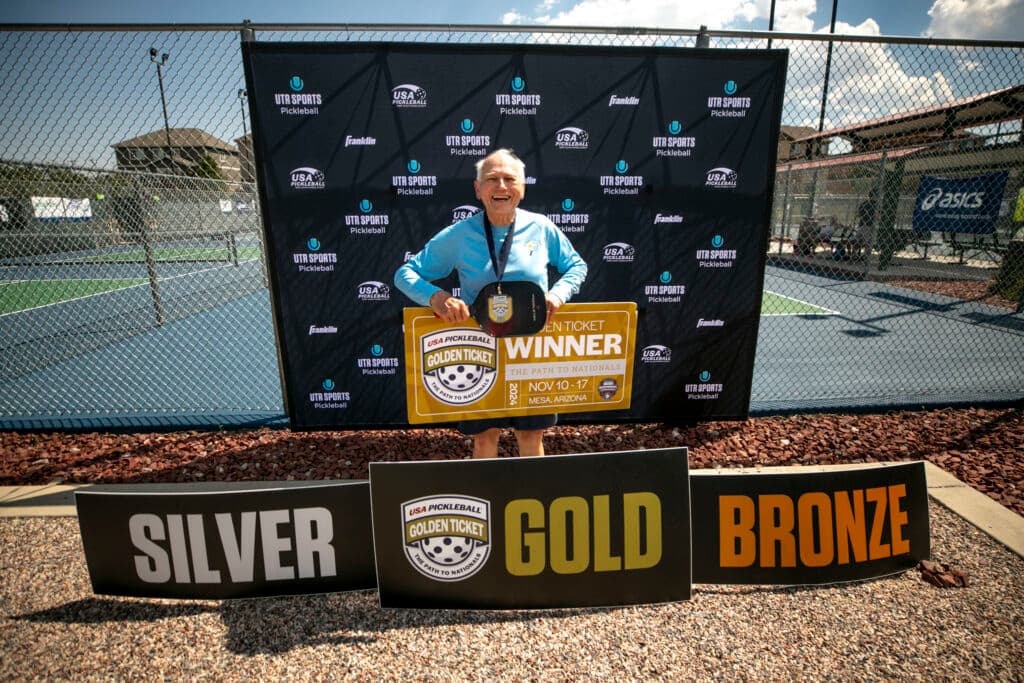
x=1001, y=523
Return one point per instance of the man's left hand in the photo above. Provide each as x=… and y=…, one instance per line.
x=553, y=304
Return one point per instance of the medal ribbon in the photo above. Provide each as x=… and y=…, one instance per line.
x=499, y=260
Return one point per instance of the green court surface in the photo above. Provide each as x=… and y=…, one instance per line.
x=168, y=254
x=25, y=294
x=777, y=304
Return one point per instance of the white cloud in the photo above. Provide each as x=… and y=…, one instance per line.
x=866, y=81
x=790, y=15
x=984, y=19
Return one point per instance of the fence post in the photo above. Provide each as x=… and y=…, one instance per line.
x=147, y=248
x=876, y=193
x=785, y=211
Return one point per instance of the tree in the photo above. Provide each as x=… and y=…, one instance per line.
x=208, y=168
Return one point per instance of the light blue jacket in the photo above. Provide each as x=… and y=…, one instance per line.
x=462, y=247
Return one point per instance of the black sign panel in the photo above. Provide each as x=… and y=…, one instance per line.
x=556, y=531
x=809, y=527
x=658, y=164
x=228, y=544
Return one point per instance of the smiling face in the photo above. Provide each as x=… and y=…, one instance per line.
x=501, y=186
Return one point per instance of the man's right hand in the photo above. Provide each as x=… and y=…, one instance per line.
x=449, y=308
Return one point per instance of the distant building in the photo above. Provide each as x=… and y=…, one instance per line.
x=246, y=161
x=792, y=145
x=188, y=146
x=941, y=123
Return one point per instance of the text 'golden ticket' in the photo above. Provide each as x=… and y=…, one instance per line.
x=581, y=361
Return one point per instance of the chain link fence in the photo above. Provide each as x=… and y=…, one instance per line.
x=132, y=276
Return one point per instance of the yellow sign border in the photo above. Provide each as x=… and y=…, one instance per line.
x=579, y=390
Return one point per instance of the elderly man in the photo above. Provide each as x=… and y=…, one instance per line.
x=523, y=244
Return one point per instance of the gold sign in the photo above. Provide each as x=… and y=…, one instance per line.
x=582, y=361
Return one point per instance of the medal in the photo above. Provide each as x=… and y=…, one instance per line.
x=499, y=307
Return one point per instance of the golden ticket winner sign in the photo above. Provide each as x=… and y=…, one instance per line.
x=581, y=361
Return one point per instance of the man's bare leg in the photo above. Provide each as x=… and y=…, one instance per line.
x=531, y=441
x=485, y=444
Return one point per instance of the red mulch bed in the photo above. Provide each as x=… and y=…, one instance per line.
x=982, y=447
x=967, y=290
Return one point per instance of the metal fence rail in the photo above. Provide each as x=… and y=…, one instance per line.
x=132, y=278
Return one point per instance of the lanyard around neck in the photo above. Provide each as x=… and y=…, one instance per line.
x=499, y=260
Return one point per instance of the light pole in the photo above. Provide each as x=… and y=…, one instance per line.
x=163, y=100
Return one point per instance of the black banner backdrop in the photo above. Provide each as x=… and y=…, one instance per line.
x=658, y=164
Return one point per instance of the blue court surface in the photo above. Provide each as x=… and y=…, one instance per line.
x=872, y=346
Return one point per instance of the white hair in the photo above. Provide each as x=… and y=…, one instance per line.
x=505, y=152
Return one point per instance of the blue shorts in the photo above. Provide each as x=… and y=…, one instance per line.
x=474, y=427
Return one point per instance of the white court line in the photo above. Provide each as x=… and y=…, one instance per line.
x=824, y=311
x=109, y=291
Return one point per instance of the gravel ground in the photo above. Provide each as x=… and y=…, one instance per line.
x=52, y=627
x=899, y=628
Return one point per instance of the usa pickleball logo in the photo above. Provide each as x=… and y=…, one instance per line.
x=447, y=537
x=459, y=365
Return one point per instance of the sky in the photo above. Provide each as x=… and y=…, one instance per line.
x=983, y=19
x=92, y=89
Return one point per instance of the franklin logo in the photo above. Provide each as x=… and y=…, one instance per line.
x=447, y=537
x=365, y=141
x=627, y=101
x=459, y=365
x=408, y=96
